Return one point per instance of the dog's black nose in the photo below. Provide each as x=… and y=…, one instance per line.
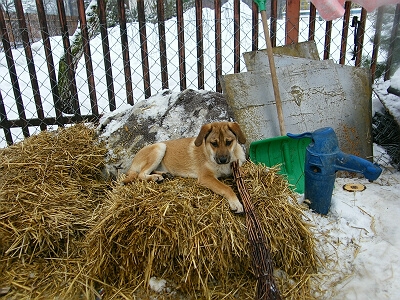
x=222, y=160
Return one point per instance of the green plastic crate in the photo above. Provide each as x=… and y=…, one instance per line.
x=284, y=151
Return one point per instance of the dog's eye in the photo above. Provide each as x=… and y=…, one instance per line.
x=228, y=143
x=214, y=144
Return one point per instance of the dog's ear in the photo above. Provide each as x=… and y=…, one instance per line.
x=204, y=131
x=235, y=128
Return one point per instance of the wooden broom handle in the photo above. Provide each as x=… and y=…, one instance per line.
x=273, y=73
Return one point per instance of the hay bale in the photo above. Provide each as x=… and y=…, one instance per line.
x=186, y=234
x=49, y=189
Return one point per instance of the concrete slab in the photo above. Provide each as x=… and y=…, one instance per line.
x=314, y=94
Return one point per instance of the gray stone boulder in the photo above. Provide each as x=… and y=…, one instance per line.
x=164, y=116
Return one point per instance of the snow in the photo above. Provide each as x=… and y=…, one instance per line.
x=358, y=240
x=391, y=102
x=157, y=285
x=395, y=80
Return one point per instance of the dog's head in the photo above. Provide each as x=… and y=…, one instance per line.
x=220, y=140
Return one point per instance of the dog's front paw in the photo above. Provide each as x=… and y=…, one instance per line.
x=156, y=177
x=236, y=206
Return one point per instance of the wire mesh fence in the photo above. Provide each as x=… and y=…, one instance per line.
x=134, y=59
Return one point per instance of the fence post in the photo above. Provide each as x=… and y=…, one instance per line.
x=49, y=60
x=125, y=51
x=88, y=59
x=181, y=44
x=236, y=34
x=254, y=30
x=162, y=43
x=143, y=47
x=311, y=22
x=345, y=32
x=106, y=54
x=273, y=18
x=360, y=37
x=199, y=44
x=218, y=45
x=4, y=122
x=328, y=34
x=292, y=21
x=30, y=63
x=13, y=75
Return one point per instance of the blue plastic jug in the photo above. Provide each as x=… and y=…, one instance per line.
x=323, y=159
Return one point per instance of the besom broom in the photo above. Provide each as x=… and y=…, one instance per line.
x=261, y=257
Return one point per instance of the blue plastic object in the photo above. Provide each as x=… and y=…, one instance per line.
x=323, y=159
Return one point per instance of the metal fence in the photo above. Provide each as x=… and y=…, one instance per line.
x=44, y=86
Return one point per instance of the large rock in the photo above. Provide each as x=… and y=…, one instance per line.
x=167, y=115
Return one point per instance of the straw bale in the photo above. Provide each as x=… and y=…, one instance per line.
x=183, y=232
x=49, y=189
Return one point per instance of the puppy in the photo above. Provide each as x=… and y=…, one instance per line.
x=206, y=157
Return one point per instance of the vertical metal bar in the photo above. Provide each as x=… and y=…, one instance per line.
x=68, y=58
x=162, y=44
x=4, y=122
x=49, y=60
x=360, y=37
x=292, y=21
x=106, y=54
x=345, y=32
x=12, y=37
x=13, y=74
x=199, y=41
x=181, y=44
x=88, y=57
x=328, y=37
x=236, y=38
x=254, y=31
x=273, y=18
x=393, y=38
x=143, y=48
x=377, y=41
x=125, y=51
x=30, y=63
x=218, y=45
x=311, y=22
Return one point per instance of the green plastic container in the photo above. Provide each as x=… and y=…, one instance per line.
x=284, y=151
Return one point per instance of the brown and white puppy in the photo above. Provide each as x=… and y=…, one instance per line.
x=206, y=157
